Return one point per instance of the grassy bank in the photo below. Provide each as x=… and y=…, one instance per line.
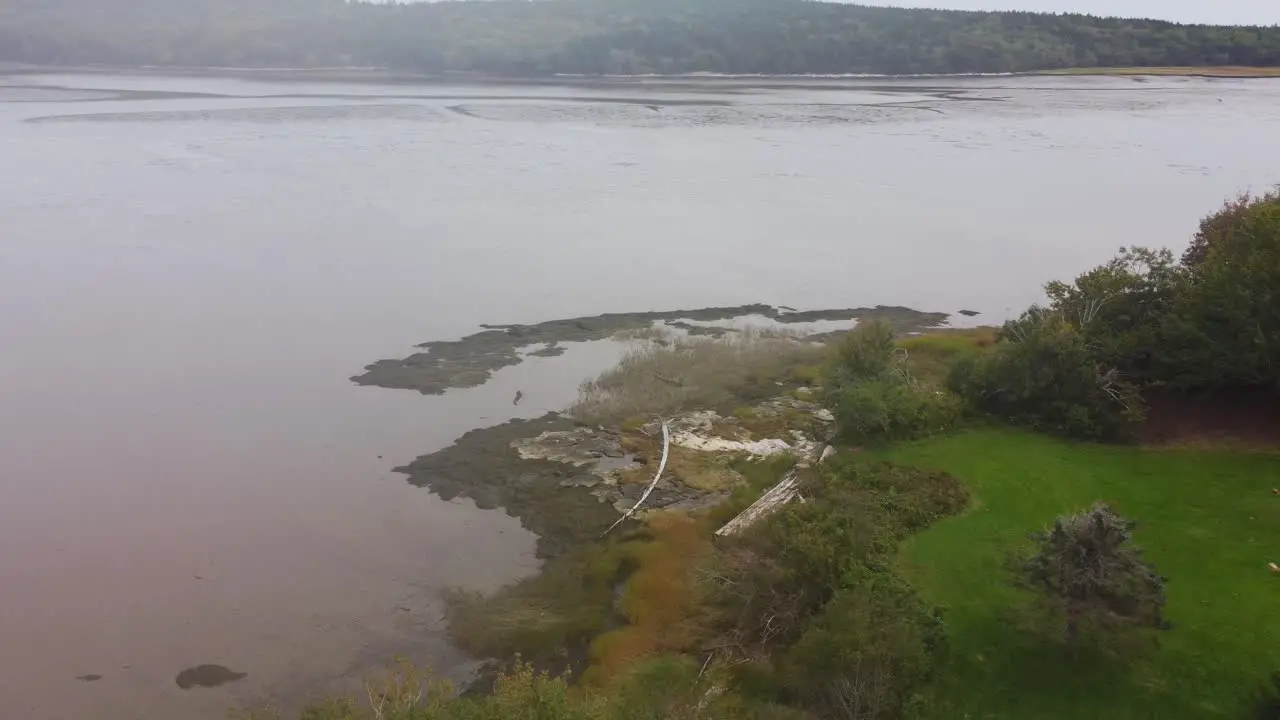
x=1208, y=520
x=941, y=564
x=1226, y=71
x=830, y=604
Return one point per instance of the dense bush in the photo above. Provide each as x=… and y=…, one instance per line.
x=767, y=583
x=809, y=599
x=861, y=657
x=875, y=397
x=1044, y=373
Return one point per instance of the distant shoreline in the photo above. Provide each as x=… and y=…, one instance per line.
x=1206, y=71
x=386, y=75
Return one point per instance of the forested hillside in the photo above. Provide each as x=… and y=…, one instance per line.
x=523, y=37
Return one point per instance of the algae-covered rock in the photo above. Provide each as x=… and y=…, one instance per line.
x=580, y=446
x=552, y=499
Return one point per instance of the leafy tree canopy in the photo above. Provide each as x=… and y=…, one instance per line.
x=522, y=37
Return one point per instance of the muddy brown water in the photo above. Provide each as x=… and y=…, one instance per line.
x=192, y=268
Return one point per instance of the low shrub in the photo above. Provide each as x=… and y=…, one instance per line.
x=862, y=656
x=867, y=352
x=1043, y=373
x=904, y=500
x=874, y=396
x=890, y=409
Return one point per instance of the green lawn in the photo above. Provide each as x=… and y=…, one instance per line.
x=1209, y=522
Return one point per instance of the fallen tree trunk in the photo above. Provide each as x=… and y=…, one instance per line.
x=779, y=495
x=785, y=491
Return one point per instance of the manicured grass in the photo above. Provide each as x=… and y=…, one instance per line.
x=1208, y=520
x=1237, y=71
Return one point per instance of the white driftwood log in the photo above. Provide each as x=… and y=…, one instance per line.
x=666, y=447
x=779, y=495
x=785, y=491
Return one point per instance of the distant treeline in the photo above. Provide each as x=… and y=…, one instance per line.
x=523, y=37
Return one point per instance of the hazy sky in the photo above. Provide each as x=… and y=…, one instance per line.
x=1223, y=12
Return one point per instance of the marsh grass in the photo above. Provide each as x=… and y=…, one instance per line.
x=597, y=610
x=930, y=355
x=659, y=601
x=548, y=618
x=686, y=372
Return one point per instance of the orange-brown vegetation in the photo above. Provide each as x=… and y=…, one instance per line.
x=659, y=601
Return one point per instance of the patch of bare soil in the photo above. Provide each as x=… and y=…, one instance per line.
x=1236, y=418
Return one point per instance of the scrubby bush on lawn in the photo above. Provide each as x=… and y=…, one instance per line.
x=1091, y=581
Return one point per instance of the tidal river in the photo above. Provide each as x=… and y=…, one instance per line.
x=191, y=268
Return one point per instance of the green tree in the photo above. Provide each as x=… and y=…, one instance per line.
x=1120, y=307
x=1224, y=328
x=516, y=37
